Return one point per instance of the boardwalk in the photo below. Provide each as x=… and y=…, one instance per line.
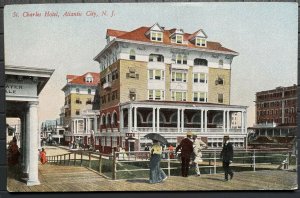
x=67, y=178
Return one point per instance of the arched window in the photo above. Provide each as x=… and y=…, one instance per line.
x=156, y=58
x=200, y=62
x=108, y=120
x=114, y=119
x=220, y=63
x=132, y=55
x=103, y=120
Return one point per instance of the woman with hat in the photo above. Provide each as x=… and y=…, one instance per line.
x=157, y=175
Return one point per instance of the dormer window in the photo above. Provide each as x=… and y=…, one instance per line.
x=88, y=78
x=201, y=42
x=156, y=36
x=179, y=39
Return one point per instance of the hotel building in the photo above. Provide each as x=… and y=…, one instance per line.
x=165, y=81
x=80, y=119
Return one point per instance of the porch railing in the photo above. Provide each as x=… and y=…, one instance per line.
x=175, y=130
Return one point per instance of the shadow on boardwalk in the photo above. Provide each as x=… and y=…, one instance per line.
x=68, y=178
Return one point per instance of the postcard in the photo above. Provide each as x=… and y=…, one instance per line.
x=151, y=96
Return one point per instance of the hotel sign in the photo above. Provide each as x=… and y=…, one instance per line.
x=20, y=89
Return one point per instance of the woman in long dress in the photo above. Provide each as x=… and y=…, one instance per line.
x=157, y=175
x=43, y=157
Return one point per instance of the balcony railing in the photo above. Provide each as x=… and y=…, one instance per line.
x=107, y=85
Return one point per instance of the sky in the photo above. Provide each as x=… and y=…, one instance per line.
x=264, y=34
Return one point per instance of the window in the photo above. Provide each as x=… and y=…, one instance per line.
x=156, y=74
x=132, y=73
x=181, y=59
x=178, y=95
x=179, y=76
x=156, y=58
x=89, y=79
x=89, y=91
x=77, y=112
x=201, y=62
x=114, y=75
x=220, y=98
x=200, y=97
x=132, y=55
x=156, y=36
x=89, y=101
x=177, y=39
x=200, y=42
x=132, y=95
x=108, y=97
x=220, y=81
x=77, y=90
x=77, y=101
x=200, y=78
x=220, y=63
x=156, y=94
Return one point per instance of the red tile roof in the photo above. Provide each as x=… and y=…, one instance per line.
x=81, y=79
x=139, y=34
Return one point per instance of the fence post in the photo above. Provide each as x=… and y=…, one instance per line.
x=81, y=159
x=114, y=168
x=215, y=162
x=169, y=164
x=90, y=162
x=64, y=159
x=74, y=158
x=69, y=159
x=100, y=163
x=254, y=160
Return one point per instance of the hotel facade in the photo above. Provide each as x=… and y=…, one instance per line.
x=79, y=117
x=168, y=82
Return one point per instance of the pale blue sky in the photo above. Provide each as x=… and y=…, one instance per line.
x=264, y=34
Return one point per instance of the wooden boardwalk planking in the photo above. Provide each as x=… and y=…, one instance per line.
x=56, y=178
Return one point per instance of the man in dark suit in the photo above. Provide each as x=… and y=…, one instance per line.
x=227, y=157
x=186, y=147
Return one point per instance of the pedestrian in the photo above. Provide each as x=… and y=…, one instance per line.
x=13, y=153
x=157, y=175
x=198, y=145
x=227, y=157
x=186, y=147
x=43, y=157
x=171, y=151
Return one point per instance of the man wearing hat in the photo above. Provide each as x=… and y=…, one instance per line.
x=227, y=157
x=198, y=145
x=186, y=147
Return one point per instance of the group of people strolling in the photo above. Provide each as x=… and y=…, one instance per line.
x=191, y=149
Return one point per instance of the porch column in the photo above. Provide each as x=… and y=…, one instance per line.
x=157, y=120
x=130, y=119
x=228, y=124
x=153, y=120
x=242, y=121
x=202, y=120
x=23, y=140
x=205, y=120
x=224, y=119
x=121, y=120
x=135, y=119
x=33, y=178
x=182, y=120
x=245, y=122
x=178, y=120
x=27, y=143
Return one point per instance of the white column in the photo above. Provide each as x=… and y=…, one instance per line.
x=153, y=120
x=205, y=120
x=27, y=142
x=245, y=122
x=121, y=119
x=182, y=120
x=178, y=120
x=33, y=178
x=228, y=124
x=135, y=119
x=202, y=120
x=242, y=121
x=157, y=120
x=130, y=119
x=224, y=121
x=23, y=145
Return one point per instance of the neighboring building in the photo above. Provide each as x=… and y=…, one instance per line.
x=153, y=78
x=276, y=111
x=277, y=106
x=236, y=120
x=52, y=131
x=79, y=120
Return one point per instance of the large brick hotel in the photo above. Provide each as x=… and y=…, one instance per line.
x=166, y=81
